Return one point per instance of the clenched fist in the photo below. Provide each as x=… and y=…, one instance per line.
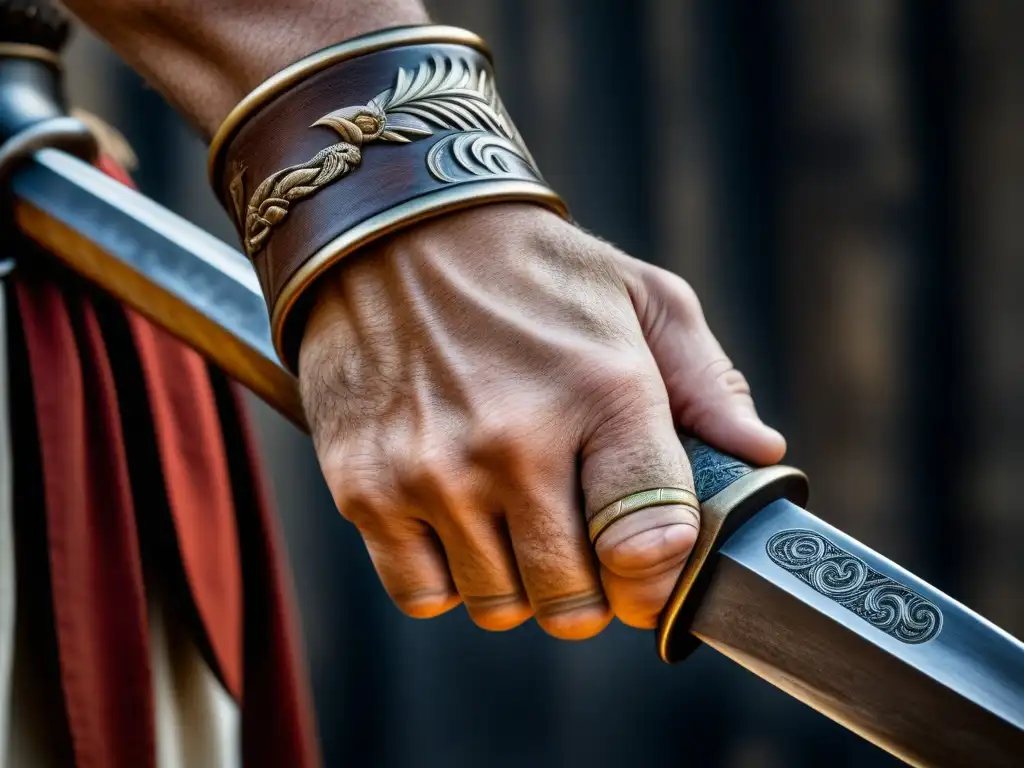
x=479, y=384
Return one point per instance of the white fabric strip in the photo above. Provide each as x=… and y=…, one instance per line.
x=197, y=723
x=7, y=590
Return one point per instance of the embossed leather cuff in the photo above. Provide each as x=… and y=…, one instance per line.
x=357, y=141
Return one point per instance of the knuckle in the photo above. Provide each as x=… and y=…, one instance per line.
x=360, y=483
x=686, y=298
x=732, y=380
x=703, y=408
x=500, y=437
x=359, y=502
x=361, y=453
x=634, y=371
x=515, y=449
x=422, y=469
x=629, y=389
x=676, y=298
x=623, y=381
x=439, y=484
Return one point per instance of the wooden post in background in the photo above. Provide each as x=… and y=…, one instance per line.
x=845, y=270
x=991, y=218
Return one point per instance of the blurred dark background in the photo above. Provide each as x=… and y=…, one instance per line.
x=842, y=182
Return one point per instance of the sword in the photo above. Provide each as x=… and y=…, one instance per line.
x=771, y=586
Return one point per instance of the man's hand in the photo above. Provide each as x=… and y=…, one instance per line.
x=476, y=383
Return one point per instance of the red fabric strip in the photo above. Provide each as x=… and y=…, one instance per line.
x=278, y=726
x=205, y=469
x=198, y=487
x=96, y=573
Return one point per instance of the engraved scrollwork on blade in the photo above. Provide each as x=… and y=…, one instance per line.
x=442, y=93
x=843, y=577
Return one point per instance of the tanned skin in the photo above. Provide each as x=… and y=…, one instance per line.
x=476, y=382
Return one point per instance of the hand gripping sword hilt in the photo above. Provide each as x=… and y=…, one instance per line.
x=33, y=110
x=730, y=493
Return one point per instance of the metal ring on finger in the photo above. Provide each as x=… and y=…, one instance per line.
x=634, y=502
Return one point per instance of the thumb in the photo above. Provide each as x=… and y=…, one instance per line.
x=709, y=398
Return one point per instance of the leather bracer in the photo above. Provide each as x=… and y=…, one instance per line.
x=359, y=140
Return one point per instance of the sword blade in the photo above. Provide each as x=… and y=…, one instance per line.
x=170, y=271
x=790, y=598
x=865, y=642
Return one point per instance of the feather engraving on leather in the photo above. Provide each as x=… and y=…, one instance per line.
x=441, y=94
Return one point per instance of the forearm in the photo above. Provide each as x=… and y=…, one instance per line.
x=205, y=55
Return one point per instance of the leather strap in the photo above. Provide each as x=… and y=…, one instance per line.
x=357, y=141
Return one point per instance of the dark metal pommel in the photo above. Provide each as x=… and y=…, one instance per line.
x=33, y=109
x=41, y=23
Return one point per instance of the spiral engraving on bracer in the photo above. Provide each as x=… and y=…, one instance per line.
x=833, y=572
x=476, y=154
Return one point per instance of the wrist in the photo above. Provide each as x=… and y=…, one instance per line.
x=206, y=68
x=499, y=247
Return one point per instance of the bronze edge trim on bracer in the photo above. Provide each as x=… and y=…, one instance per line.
x=310, y=65
x=432, y=204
